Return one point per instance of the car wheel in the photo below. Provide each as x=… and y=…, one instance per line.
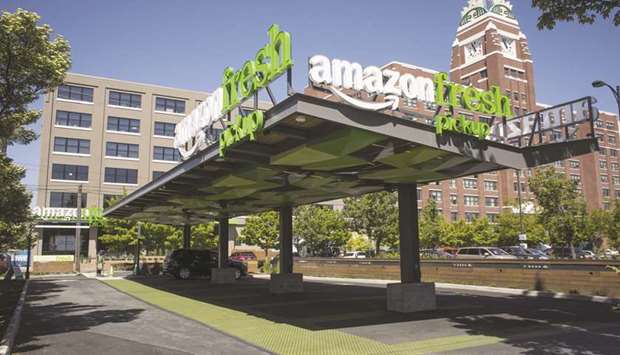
x=237, y=274
x=184, y=273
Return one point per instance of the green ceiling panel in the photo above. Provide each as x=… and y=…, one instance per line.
x=346, y=161
x=334, y=145
x=312, y=182
x=389, y=174
x=412, y=157
x=420, y=177
x=232, y=181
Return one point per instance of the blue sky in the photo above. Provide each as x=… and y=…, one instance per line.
x=187, y=44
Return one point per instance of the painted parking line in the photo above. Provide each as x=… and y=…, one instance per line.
x=283, y=338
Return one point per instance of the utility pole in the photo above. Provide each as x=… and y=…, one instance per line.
x=137, y=258
x=77, y=245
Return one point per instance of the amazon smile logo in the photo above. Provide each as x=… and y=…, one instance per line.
x=341, y=74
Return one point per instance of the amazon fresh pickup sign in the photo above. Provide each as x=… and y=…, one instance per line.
x=341, y=76
x=91, y=215
x=268, y=64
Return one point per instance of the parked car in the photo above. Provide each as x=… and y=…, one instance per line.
x=524, y=253
x=483, y=253
x=355, y=255
x=538, y=254
x=243, y=256
x=435, y=254
x=186, y=263
x=586, y=254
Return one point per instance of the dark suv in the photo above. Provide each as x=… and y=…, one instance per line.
x=185, y=263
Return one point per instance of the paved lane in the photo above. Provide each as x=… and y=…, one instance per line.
x=84, y=316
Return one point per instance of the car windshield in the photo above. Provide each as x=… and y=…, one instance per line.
x=497, y=251
x=349, y=254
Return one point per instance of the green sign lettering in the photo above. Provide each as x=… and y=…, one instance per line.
x=269, y=63
x=243, y=127
x=460, y=124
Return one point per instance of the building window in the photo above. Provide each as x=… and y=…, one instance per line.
x=125, y=99
x=470, y=200
x=610, y=125
x=575, y=164
x=453, y=183
x=575, y=178
x=471, y=216
x=613, y=152
x=109, y=200
x=558, y=164
x=603, y=151
x=419, y=193
x=602, y=164
x=598, y=124
x=515, y=187
x=66, y=199
x=435, y=195
x=605, y=179
x=121, y=176
x=484, y=74
x=120, y=124
x=490, y=185
x=615, y=166
x=491, y=201
x=164, y=129
x=169, y=105
x=73, y=119
x=454, y=216
x=125, y=150
x=470, y=184
x=166, y=154
x=157, y=174
x=616, y=180
x=70, y=172
x=77, y=93
x=71, y=145
x=453, y=199
x=611, y=139
x=617, y=193
x=605, y=192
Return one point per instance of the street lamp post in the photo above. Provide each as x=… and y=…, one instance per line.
x=615, y=91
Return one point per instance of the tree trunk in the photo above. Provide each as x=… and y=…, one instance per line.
x=377, y=246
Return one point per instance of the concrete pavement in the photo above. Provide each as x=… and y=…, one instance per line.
x=75, y=315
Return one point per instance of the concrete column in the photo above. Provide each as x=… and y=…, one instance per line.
x=286, y=240
x=92, y=242
x=223, y=241
x=286, y=281
x=410, y=295
x=409, y=236
x=187, y=236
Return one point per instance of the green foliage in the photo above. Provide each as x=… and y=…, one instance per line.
x=375, y=215
x=262, y=230
x=583, y=11
x=30, y=63
x=562, y=208
x=15, y=216
x=508, y=228
x=430, y=225
x=358, y=242
x=323, y=230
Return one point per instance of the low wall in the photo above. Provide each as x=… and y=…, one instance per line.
x=586, y=278
x=52, y=267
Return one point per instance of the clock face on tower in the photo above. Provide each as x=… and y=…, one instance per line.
x=473, y=50
x=509, y=47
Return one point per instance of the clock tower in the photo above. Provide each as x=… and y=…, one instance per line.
x=490, y=50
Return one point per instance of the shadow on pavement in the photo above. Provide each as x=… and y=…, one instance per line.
x=534, y=325
x=42, y=315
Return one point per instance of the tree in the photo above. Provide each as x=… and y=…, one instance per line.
x=30, y=63
x=15, y=213
x=508, y=228
x=376, y=215
x=262, y=230
x=323, y=230
x=563, y=210
x=430, y=223
x=583, y=11
x=614, y=228
x=358, y=242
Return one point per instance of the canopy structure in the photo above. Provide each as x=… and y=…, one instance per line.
x=312, y=150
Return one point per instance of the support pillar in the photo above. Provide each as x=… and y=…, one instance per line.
x=410, y=295
x=187, y=236
x=286, y=281
x=223, y=274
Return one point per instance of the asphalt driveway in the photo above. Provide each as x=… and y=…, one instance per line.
x=76, y=315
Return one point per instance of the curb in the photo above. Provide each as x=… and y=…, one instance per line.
x=8, y=341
